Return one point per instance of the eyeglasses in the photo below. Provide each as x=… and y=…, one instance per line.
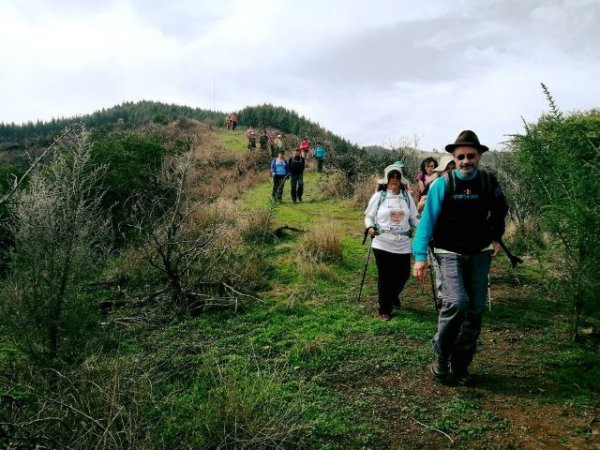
x=469, y=156
x=394, y=175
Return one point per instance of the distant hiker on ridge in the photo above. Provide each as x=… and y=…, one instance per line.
x=272, y=138
x=263, y=141
x=251, y=135
x=233, y=120
x=278, y=144
x=296, y=165
x=304, y=147
x=464, y=214
x=319, y=153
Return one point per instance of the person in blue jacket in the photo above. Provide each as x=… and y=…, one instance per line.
x=464, y=218
x=280, y=172
x=319, y=153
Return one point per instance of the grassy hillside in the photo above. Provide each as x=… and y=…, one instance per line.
x=298, y=362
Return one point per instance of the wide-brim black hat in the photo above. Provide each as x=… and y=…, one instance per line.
x=467, y=138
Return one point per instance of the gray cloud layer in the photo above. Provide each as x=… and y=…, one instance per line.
x=374, y=72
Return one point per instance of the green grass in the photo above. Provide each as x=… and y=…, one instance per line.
x=234, y=140
x=350, y=380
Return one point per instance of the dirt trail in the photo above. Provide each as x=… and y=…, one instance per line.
x=518, y=401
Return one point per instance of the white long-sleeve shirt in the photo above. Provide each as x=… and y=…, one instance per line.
x=393, y=214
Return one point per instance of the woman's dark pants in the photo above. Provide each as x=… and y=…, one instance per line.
x=393, y=270
x=278, y=183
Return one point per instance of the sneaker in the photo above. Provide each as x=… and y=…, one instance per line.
x=385, y=317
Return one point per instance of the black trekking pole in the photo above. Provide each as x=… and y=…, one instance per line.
x=514, y=260
x=362, y=282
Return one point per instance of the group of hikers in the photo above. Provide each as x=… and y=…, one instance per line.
x=293, y=168
x=282, y=168
x=459, y=218
x=458, y=212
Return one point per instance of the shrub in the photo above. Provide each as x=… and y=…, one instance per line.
x=250, y=407
x=133, y=160
x=60, y=237
x=334, y=185
x=83, y=407
x=558, y=158
x=255, y=227
x=365, y=188
x=320, y=246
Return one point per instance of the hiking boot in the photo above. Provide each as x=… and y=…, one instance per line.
x=439, y=368
x=385, y=317
x=462, y=377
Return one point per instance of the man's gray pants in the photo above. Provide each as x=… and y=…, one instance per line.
x=464, y=290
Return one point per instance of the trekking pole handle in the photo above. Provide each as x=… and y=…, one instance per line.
x=514, y=260
x=366, y=234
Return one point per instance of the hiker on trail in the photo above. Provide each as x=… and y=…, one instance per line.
x=464, y=214
x=251, y=135
x=319, y=153
x=233, y=120
x=278, y=144
x=388, y=219
x=426, y=174
x=296, y=165
x=272, y=138
x=263, y=141
x=446, y=165
x=280, y=172
x=304, y=147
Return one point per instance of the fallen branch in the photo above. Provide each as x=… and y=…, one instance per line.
x=433, y=429
x=227, y=287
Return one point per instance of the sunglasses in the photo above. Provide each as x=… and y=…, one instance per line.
x=469, y=156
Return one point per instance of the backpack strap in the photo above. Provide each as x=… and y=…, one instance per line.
x=487, y=185
x=450, y=180
x=382, y=196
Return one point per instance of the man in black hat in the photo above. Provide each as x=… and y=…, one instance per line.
x=465, y=218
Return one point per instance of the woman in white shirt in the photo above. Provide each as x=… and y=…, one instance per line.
x=389, y=217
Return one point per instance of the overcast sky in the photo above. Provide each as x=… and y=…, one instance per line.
x=375, y=72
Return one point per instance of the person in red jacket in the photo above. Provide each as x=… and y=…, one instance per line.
x=233, y=120
x=304, y=147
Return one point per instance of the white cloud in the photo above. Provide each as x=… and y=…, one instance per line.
x=370, y=71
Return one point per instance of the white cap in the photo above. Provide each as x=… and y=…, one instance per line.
x=444, y=161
